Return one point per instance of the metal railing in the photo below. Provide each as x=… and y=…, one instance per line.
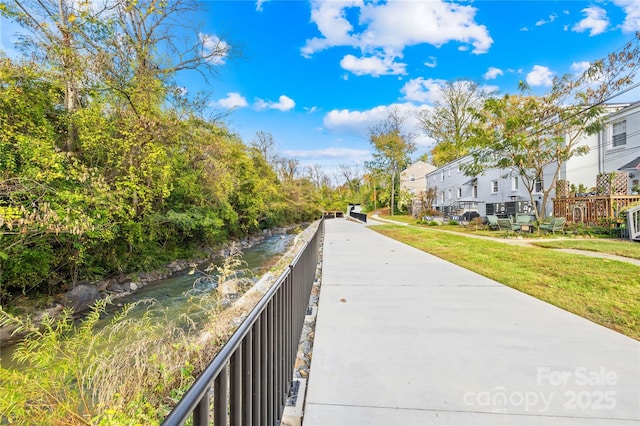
x=360, y=216
x=251, y=375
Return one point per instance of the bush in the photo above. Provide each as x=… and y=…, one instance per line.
x=453, y=222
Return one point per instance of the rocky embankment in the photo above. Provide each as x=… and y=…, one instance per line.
x=83, y=294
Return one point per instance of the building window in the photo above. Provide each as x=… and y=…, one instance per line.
x=449, y=194
x=442, y=175
x=538, y=185
x=515, y=185
x=412, y=178
x=442, y=197
x=449, y=172
x=494, y=186
x=474, y=191
x=459, y=192
x=619, y=134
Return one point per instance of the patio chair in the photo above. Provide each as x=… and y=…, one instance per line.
x=506, y=225
x=492, y=220
x=554, y=224
x=523, y=218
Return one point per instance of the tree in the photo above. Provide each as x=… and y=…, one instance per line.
x=532, y=135
x=264, y=144
x=287, y=168
x=427, y=198
x=449, y=121
x=352, y=177
x=510, y=136
x=139, y=50
x=392, y=149
x=55, y=27
x=316, y=175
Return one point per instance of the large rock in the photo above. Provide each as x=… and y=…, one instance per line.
x=81, y=297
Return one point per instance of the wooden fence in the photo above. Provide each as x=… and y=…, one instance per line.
x=592, y=210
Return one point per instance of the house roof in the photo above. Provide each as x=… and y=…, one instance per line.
x=633, y=164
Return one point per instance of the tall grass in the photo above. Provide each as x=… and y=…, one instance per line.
x=130, y=371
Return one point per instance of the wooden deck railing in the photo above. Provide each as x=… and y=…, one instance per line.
x=592, y=210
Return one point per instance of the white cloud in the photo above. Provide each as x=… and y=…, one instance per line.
x=596, y=21
x=432, y=63
x=540, y=76
x=233, y=100
x=580, y=67
x=284, y=103
x=372, y=65
x=492, y=73
x=542, y=22
x=632, y=9
x=336, y=153
x=311, y=110
x=214, y=45
x=490, y=89
x=423, y=91
x=358, y=123
x=330, y=18
x=384, y=30
x=259, y=4
x=429, y=92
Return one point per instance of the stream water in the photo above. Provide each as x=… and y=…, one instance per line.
x=172, y=293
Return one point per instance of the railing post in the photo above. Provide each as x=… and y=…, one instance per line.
x=257, y=389
x=247, y=379
x=235, y=379
x=220, y=397
x=271, y=415
x=201, y=413
x=263, y=367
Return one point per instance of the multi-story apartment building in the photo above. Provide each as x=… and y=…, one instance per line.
x=494, y=191
x=615, y=148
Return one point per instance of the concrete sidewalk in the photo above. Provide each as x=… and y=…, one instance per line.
x=405, y=338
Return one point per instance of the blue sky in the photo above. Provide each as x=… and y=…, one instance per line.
x=318, y=74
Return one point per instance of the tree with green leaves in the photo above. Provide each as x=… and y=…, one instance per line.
x=392, y=150
x=534, y=136
x=449, y=121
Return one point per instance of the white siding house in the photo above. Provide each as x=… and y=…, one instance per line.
x=584, y=169
x=464, y=193
x=615, y=148
x=621, y=143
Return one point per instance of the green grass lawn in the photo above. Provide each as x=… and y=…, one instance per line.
x=601, y=244
x=604, y=291
x=617, y=247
